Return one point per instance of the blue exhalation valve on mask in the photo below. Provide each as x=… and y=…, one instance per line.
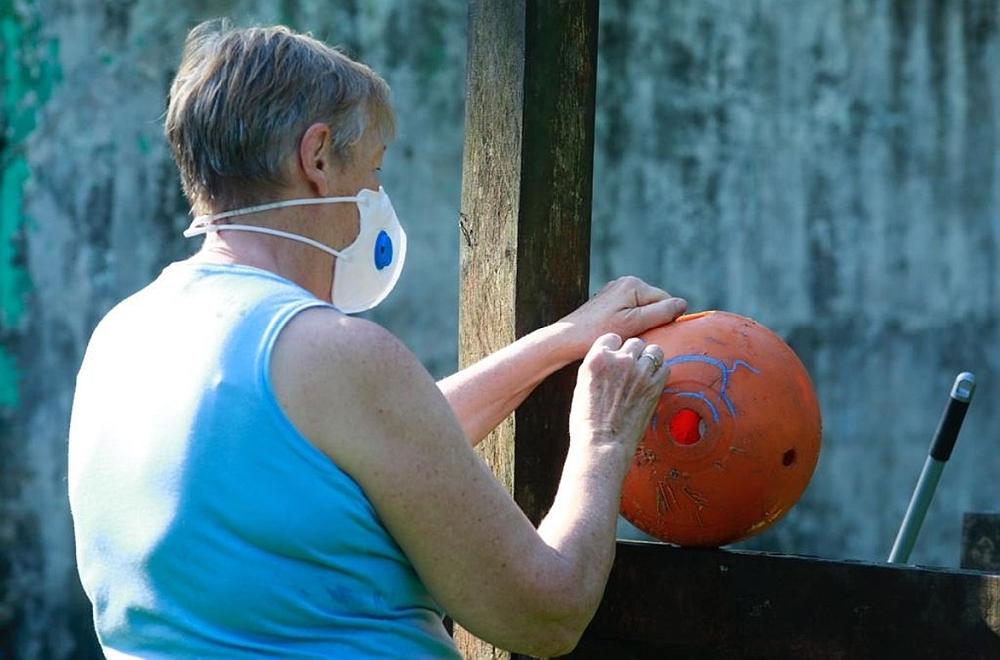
x=383, y=250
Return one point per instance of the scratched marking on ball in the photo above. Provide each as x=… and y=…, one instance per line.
x=698, y=500
x=726, y=372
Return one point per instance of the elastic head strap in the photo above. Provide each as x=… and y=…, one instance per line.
x=204, y=224
x=208, y=229
x=271, y=206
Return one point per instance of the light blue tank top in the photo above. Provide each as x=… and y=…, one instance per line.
x=205, y=524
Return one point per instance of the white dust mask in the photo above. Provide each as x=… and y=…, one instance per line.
x=365, y=271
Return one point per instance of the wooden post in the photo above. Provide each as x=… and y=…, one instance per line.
x=525, y=218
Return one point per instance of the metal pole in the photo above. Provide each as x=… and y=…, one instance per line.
x=940, y=452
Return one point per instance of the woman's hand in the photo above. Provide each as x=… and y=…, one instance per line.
x=617, y=388
x=626, y=307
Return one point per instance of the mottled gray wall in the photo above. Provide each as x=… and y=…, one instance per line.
x=830, y=168
x=100, y=213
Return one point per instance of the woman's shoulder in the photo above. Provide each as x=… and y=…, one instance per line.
x=325, y=359
x=342, y=381
x=325, y=336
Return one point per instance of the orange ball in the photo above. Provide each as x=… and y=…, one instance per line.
x=734, y=438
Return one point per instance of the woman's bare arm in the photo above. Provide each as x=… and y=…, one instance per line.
x=363, y=399
x=484, y=393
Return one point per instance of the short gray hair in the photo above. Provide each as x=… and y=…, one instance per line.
x=242, y=99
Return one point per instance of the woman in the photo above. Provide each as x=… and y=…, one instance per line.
x=253, y=471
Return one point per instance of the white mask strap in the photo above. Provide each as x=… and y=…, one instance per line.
x=270, y=207
x=203, y=224
x=207, y=229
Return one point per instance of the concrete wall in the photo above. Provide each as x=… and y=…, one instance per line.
x=92, y=211
x=830, y=168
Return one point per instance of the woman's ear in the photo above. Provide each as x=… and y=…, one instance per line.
x=315, y=163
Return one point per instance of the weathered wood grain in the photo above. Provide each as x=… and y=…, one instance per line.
x=525, y=219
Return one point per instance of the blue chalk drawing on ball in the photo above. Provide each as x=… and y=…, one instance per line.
x=726, y=372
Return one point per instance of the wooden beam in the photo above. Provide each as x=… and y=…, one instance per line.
x=664, y=600
x=525, y=218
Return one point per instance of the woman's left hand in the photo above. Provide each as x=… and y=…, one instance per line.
x=627, y=307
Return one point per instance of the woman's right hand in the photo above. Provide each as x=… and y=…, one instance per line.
x=616, y=392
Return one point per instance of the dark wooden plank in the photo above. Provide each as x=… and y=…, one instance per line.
x=981, y=541
x=731, y=604
x=525, y=219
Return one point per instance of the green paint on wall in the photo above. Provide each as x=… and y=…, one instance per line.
x=30, y=72
x=9, y=380
x=14, y=283
x=144, y=146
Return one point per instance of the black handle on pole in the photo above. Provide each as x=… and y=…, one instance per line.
x=951, y=419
